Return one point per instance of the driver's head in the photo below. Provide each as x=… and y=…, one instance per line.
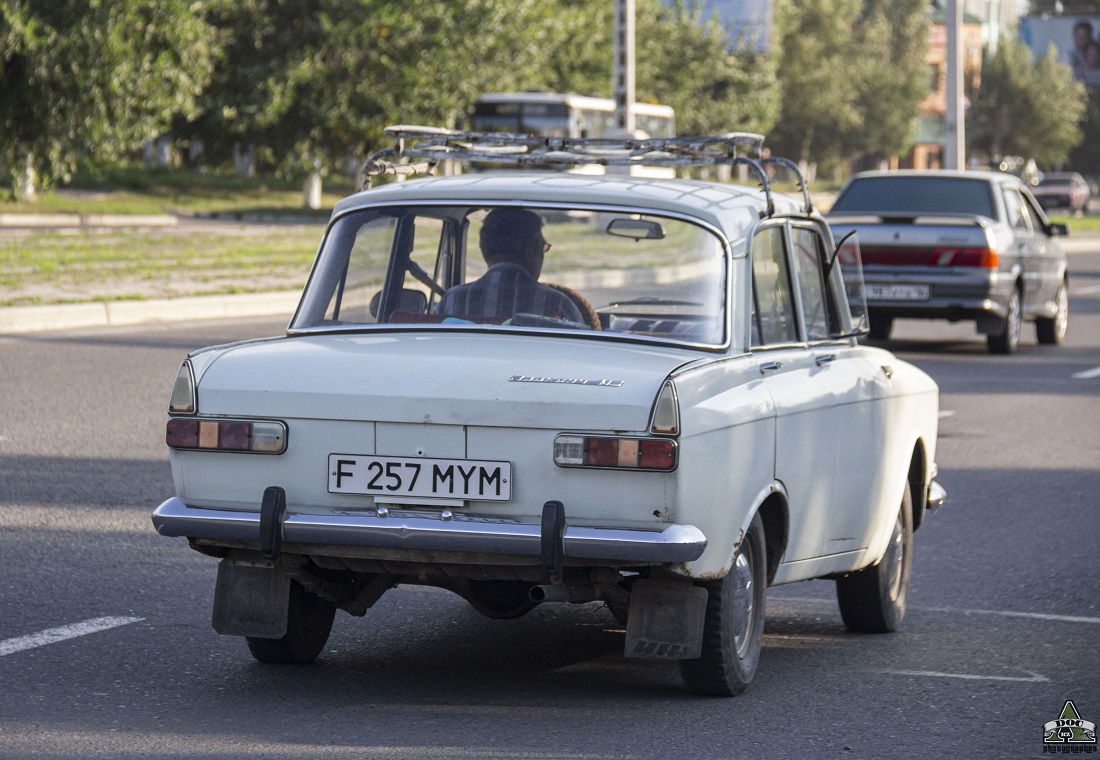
x=513, y=235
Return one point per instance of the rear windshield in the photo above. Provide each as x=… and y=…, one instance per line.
x=915, y=195
x=1055, y=181
x=480, y=267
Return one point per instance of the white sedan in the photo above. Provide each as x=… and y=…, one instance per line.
x=553, y=387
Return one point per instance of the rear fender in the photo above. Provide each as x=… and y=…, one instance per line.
x=716, y=562
x=884, y=517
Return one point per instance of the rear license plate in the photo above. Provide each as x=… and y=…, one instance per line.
x=414, y=477
x=883, y=292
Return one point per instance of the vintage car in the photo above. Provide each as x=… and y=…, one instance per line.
x=676, y=416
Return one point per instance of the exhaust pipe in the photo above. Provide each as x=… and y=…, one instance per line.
x=559, y=592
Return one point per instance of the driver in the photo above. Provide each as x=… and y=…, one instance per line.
x=513, y=246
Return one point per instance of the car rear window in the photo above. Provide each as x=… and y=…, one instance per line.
x=619, y=273
x=915, y=195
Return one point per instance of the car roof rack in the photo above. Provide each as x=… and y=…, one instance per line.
x=417, y=150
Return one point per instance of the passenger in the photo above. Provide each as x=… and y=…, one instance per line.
x=513, y=246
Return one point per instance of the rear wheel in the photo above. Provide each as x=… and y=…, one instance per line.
x=1005, y=341
x=872, y=600
x=309, y=622
x=734, y=625
x=1052, y=330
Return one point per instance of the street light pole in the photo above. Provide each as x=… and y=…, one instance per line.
x=624, y=65
x=954, y=118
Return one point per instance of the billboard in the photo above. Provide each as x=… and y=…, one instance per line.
x=1076, y=38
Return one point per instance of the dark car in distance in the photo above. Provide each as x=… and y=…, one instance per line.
x=1063, y=190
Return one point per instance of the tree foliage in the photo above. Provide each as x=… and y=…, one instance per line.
x=888, y=63
x=690, y=63
x=1026, y=107
x=852, y=74
x=88, y=79
x=321, y=78
x=819, y=106
x=1085, y=158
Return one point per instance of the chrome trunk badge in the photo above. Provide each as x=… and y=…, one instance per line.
x=604, y=383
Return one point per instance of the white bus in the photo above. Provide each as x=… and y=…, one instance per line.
x=551, y=114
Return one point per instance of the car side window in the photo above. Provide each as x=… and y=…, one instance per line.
x=772, y=294
x=1014, y=212
x=1033, y=216
x=354, y=299
x=809, y=267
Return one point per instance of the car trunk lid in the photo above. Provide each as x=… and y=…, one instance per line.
x=501, y=380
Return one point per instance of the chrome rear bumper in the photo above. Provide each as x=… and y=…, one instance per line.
x=461, y=533
x=936, y=496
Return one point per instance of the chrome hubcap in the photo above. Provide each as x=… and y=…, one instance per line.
x=744, y=610
x=893, y=559
x=1061, y=319
x=1014, y=321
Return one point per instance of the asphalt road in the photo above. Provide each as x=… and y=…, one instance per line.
x=1003, y=625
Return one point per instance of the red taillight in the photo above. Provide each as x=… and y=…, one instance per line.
x=258, y=436
x=617, y=453
x=601, y=452
x=931, y=257
x=657, y=454
x=974, y=257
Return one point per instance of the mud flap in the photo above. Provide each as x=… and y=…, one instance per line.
x=666, y=620
x=250, y=600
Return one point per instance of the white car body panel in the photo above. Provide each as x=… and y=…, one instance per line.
x=831, y=433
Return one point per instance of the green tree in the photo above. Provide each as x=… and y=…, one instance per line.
x=888, y=63
x=1085, y=158
x=715, y=84
x=1026, y=107
x=820, y=94
x=87, y=79
x=312, y=80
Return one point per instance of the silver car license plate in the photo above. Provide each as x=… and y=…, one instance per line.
x=886, y=292
x=414, y=477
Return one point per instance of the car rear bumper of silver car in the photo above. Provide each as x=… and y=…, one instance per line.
x=453, y=532
x=953, y=295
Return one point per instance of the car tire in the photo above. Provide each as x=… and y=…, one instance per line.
x=309, y=622
x=1052, y=330
x=734, y=625
x=872, y=600
x=1008, y=338
x=880, y=326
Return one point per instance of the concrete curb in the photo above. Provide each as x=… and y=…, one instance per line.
x=26, y=319
x=64, y=221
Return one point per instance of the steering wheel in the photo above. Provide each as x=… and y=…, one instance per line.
x=588, y=314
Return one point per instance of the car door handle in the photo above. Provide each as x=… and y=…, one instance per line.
x=770, y=367
x=825, y=359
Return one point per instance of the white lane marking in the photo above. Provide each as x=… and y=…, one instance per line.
x=1088, y=374
x=1087, y=290
x=964, y=611
x=53, y=635
x=947, y=413
x=1032, y=615
x=1034, y=677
